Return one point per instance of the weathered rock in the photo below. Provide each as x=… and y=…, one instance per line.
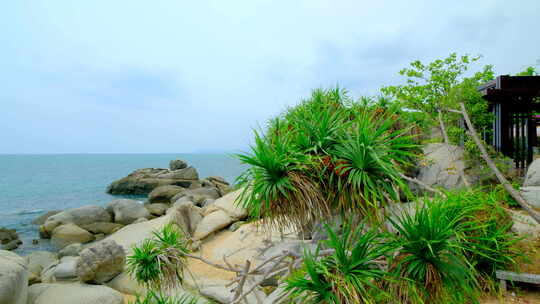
x=187, y=216
x=12, y=245
x=37, y=261
x=207, y=202
x=136, y=233
x=443, y=166
x=164, y=194
x=188, y=173
x=222, y=294
x=9, y=239
x=102, y=227
x=524, y=224
x=177, y=164
x=126, y=283
x=532, y=195
x=126, y=211
x=143, y=181
x=70, y=250
x=73, y=293
x=197, y=196
x=141, y=220
x=101, y=262
x=78, y=216
x=211, y=223
x=236, y=225
x=40, y=220
x=533, y=174
x=68, y=234
x=62, y=270
x=229, y=206
x=13, y=278
x=157, y=209
x=220, y=183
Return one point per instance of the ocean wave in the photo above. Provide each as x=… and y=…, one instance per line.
x=31, y=211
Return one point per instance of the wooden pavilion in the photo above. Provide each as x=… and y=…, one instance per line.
x=514, y=100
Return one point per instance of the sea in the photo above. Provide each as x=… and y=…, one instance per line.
x=31, y=185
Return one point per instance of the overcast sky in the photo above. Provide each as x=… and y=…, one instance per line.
x=189, y=76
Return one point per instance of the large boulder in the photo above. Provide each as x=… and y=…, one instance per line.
x=102, y=227
x=532, y=195
x=228, y=204
x=157, y=209
x=73, y=293
x=37, y=261
x=9, y=239
x=101, y=262
x=219, y=182
x=126, y=211
x=533, y=174
x=40, y=220
x=143, y=181
x=188, y=173
x=60, y=271
x=211, y=223
x=524, y=224
x=69, y=234
x=164, y=194
x=187, y=216
x=197, y=196
x=13, y=278
x=78, y=216
x=70, y=250
x=443, y=166
x=177, y=164
x=127, y=284
x=223, y=212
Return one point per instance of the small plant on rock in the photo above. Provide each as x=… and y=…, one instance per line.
x=430, y=266
x=351, y=273
x=158, y=262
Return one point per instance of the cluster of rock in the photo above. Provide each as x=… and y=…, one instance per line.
x=9, y=239
x=93, y=241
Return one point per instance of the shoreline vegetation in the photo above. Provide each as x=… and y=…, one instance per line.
x=381, y=199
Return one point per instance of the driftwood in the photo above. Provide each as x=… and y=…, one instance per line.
x=484, y=154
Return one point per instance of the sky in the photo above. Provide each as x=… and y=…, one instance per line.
x=157, y=76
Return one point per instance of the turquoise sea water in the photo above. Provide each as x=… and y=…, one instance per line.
x=33, y=184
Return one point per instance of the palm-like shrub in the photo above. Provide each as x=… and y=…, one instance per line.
x=369, y=162
x=325, y=155
x=158, y=262
x=351, y=274
x=485, y=233
x=430, y=266
x=277, y=186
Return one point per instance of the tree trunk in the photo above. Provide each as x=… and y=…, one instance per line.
x=506, y=184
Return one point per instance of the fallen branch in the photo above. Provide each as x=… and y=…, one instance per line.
x=422, y=184
x=506, y=184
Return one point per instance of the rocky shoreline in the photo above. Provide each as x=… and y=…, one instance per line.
x=93, y=242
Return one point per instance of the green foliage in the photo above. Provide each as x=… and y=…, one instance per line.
x=430, y=266
x=325, y=154
x=350, y=274
x=369, y=161
x=529, y=71
x=153, y=297
x=485, y=232
x=158, y=262
x=442, y=85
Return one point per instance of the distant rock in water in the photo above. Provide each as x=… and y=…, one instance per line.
x=143, y=181
x=9, y=239
x=177, y=164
